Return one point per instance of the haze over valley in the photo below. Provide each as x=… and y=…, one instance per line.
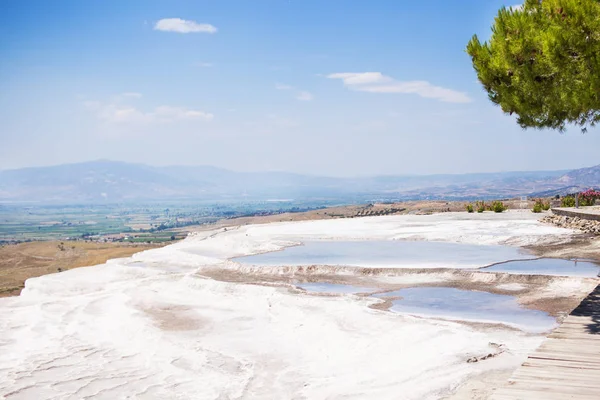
x=109, y=182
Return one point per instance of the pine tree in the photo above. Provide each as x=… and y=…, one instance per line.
x=542, y=63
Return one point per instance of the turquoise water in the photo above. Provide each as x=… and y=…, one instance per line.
x=382, y=254
x=548, y=266
x=452, y=304
x=465, y=305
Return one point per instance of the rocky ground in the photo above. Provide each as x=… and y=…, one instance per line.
x=583, y=225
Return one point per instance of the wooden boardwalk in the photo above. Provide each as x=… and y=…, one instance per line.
x=567, y=364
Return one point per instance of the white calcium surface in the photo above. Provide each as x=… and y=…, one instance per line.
x=149, y=327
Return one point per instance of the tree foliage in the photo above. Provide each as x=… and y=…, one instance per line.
x=542, y=63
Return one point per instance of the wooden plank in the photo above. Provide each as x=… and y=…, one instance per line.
x=575, y=336
x=585, y=328
x=536, y=385
x=558, y=380
x=591, y=347
x=533, y=362
x=571, y=352
x=566, y=356
x=579, y=335
x=528, y=394
x=577, y=348
x=575, y=318
x=566, y=365
x=543, y=371
x=517, y=393
x=577, y=322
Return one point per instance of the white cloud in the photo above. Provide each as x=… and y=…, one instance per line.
x=376, y=82
x=304, y=96
x=132, y=94
x=121, y=113
x=352, y=78
x=124, y=114
x=204, y=64
x=183, y=26
x=169, y=113
x=517, y=7
x=281, y=86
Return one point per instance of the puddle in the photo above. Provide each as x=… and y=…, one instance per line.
x=387, y=254
x=465, y=305
x=548, y=266
x=321, y=287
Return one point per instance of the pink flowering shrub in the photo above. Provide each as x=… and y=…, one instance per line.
x=588, y=198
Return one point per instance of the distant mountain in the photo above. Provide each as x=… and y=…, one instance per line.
x=110, y=181
x=584, y=177
x=573, y=181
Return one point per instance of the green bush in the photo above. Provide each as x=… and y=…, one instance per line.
x=498, y=207
x=584, y=202
x=541, y=205
x=568, y=201
x=469, y=208
x=480, y=206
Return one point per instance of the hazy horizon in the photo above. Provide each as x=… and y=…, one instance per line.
x=287, y=172
x=355, y=89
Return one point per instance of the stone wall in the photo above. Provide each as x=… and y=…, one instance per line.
x=584, y=225
x=574, y=212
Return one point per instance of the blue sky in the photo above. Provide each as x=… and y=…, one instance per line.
x=339, y=88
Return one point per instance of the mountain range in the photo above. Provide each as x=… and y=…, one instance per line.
x=111, y=181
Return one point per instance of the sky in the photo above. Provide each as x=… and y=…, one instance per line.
x=337, y=88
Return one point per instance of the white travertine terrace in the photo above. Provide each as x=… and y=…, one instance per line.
x=151, y=327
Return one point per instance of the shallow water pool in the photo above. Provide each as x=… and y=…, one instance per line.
x=387, y=254
x=548, y=266
x=465, y=305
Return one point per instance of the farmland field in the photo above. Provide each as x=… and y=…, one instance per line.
x=126, y=222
